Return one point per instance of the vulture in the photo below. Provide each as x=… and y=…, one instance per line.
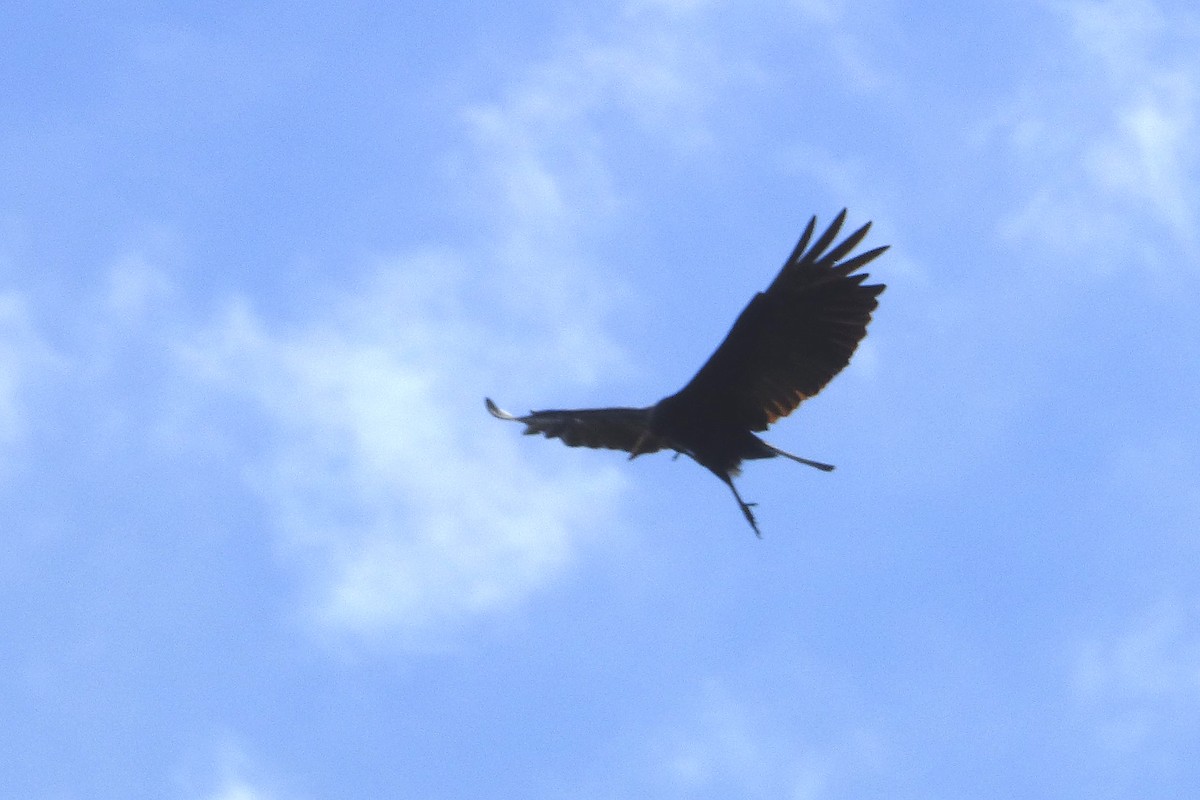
x=789, y=341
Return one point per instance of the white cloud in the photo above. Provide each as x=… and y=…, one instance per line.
x=410, y=508
x=1120, y=33
x=239, y=790
x=723, y=745
x=541, y=153
x=845, y=43
x=22, y=353
x=676, y=7
x=12, y=326
x=1107, y=138
x=136, y=288
x=408, y=505
x=229, y=775
x=1150, y=156
x=1143, y=683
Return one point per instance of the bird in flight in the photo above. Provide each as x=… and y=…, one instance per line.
x=784, y=347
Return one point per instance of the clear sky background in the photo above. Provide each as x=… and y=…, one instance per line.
x=261, y=262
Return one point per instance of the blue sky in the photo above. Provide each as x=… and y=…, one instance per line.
x=260, y=264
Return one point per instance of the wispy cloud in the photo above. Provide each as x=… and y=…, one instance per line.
x=13, y=330
x=1143, y=682
x=239, y=790
x=722, y=747
x=845, y=45
x=1107, y=135
x=229, y=775
x=23, y=352
x=136, y=289
x=406, y=509
x=720, y=744
x=407, y=506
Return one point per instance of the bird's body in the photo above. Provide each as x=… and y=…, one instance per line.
x=785, y=347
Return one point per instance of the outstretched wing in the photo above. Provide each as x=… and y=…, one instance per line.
x=791, y=339
x=610, y=428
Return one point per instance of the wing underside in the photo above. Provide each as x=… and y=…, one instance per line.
x=793, y=338
x=607, y=428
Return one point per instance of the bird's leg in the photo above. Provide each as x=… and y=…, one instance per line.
x=744, y=506
x=809, y=462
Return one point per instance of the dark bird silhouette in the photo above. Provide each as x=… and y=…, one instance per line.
x=784, y=347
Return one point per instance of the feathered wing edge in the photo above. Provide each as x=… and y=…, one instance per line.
x=625, y=429
x=795, y=336
x=815, y=257
x=499, y=413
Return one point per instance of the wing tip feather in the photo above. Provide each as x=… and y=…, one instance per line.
x=498, y=412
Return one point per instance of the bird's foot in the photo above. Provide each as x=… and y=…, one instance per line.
x=750, y=518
